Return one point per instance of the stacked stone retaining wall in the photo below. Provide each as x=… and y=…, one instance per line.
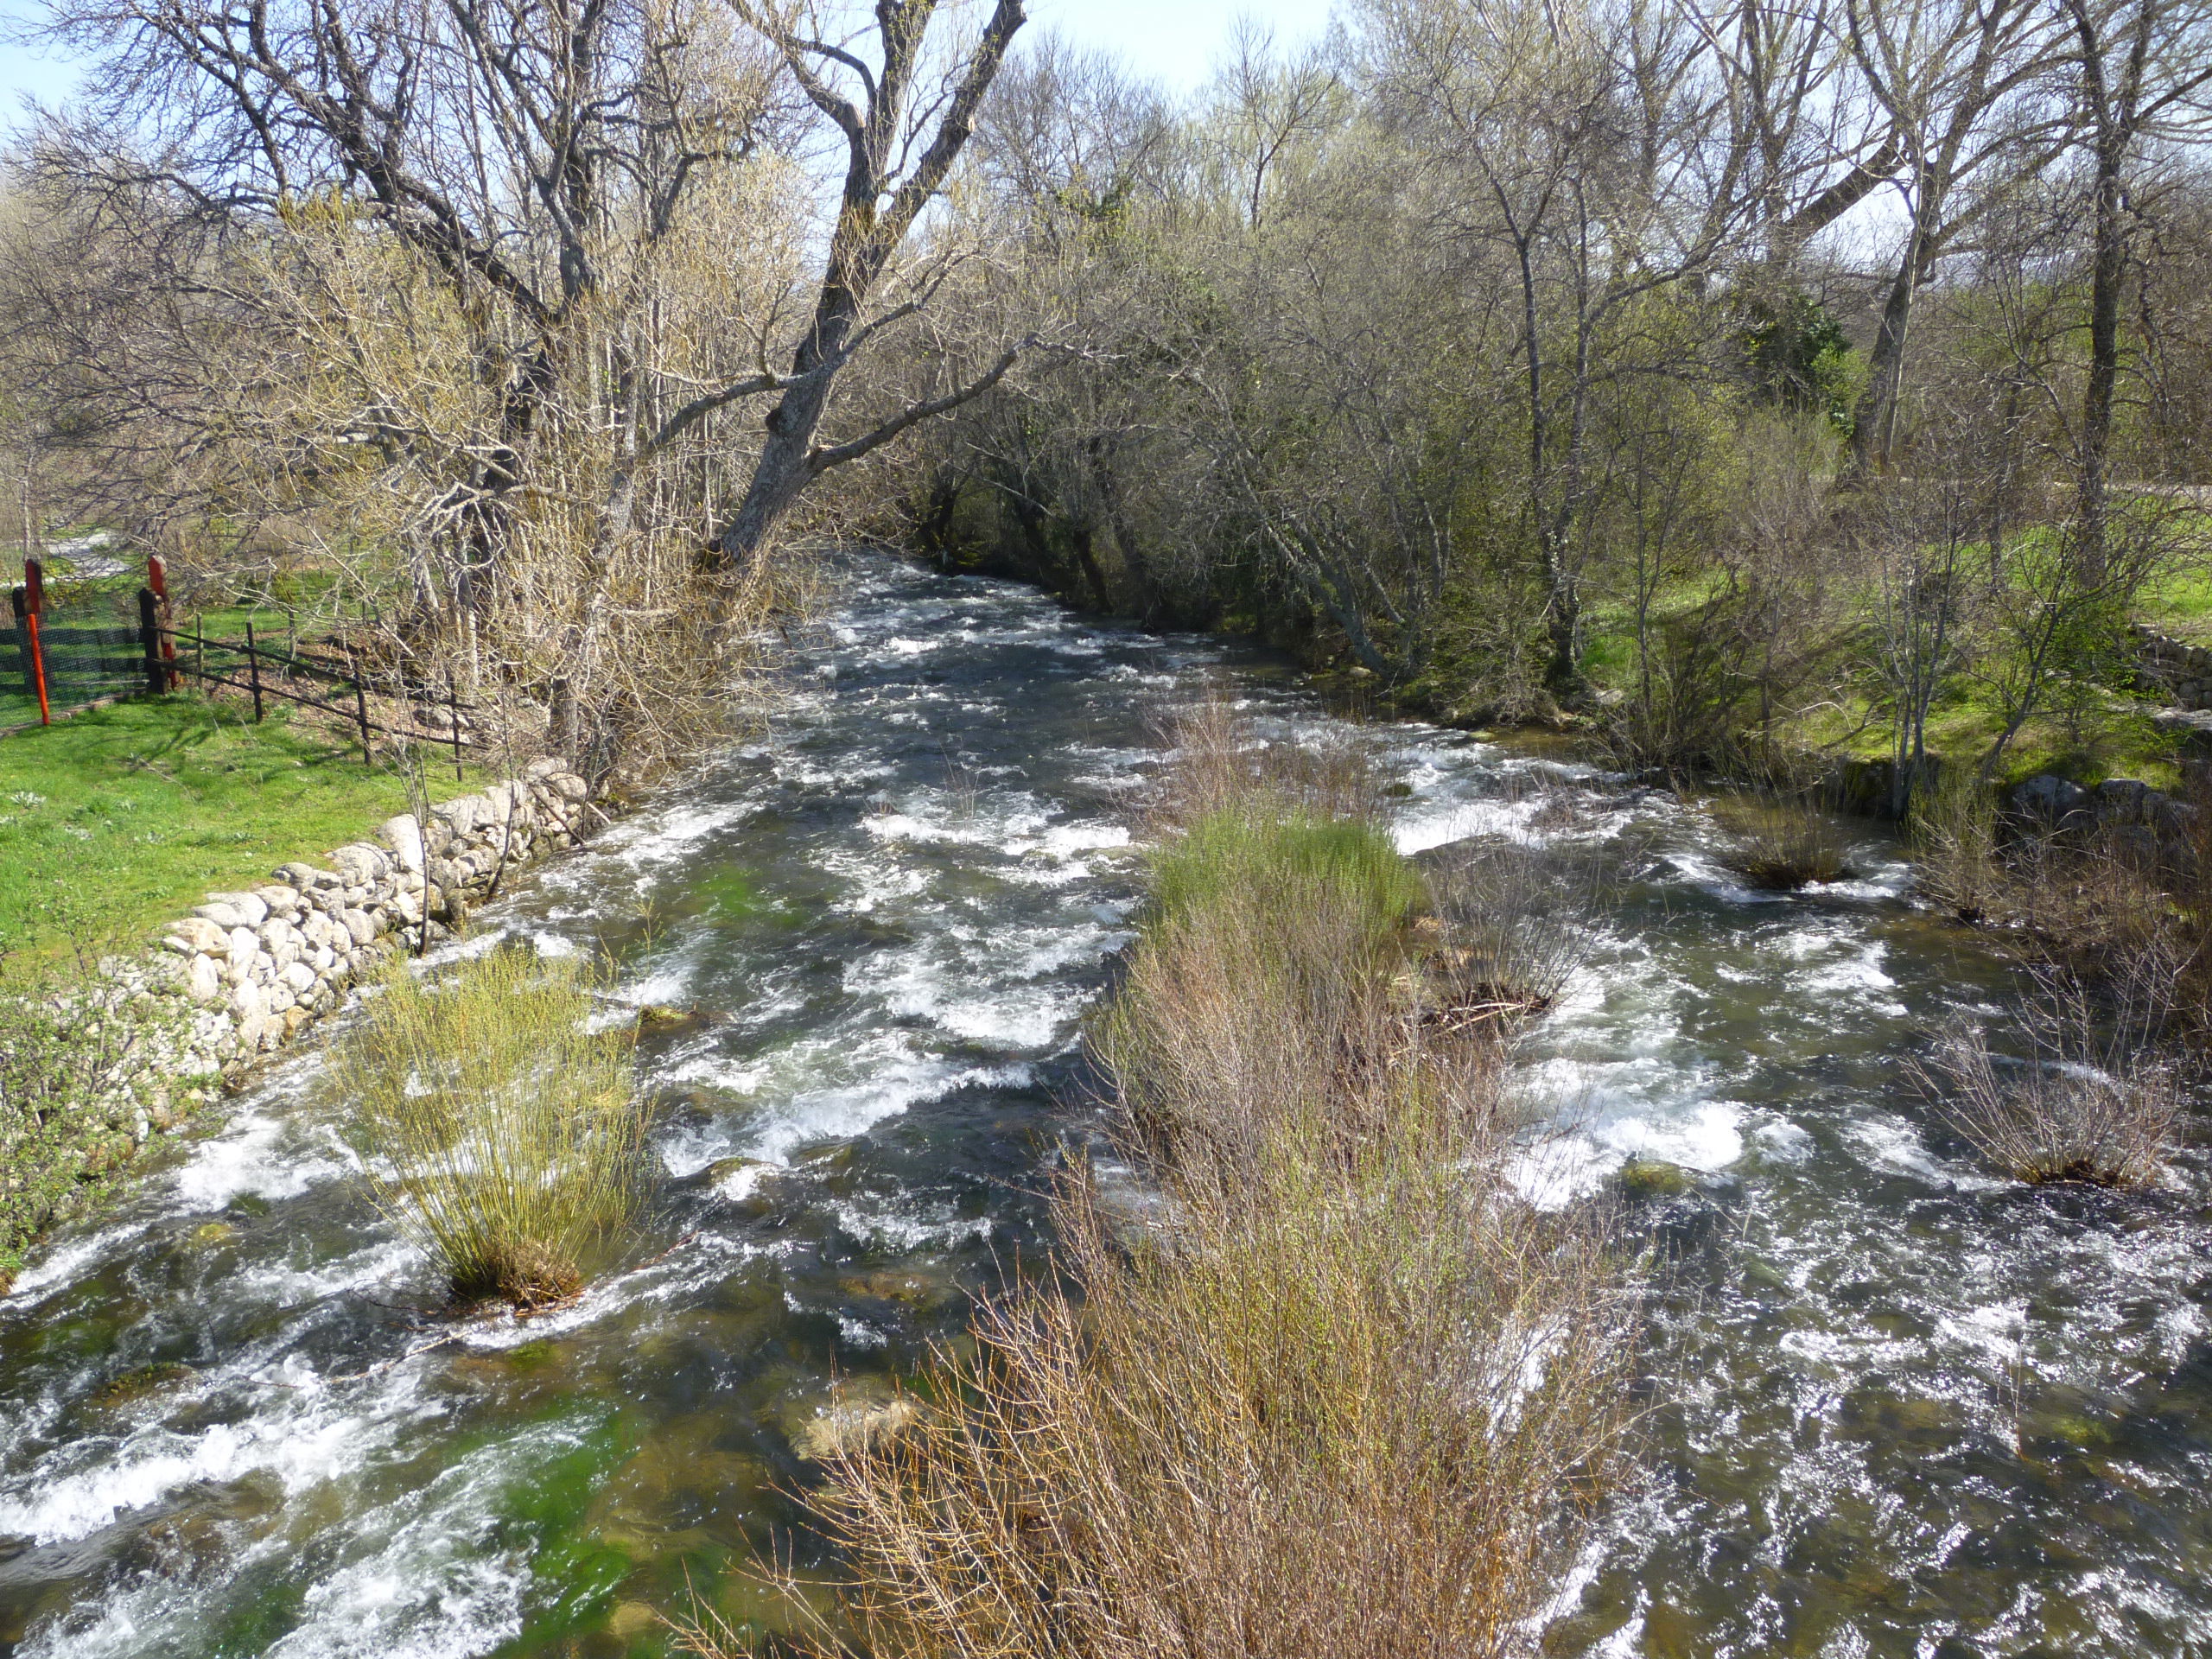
x=2175, y=668
x=255, y=966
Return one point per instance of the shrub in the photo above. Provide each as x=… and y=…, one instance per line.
x=1262, y=981
x=1778, y=844
x=83, y=1055
x=2093, y=1102
x=500, y=1130
x=1513, y=929
x=1330, y=1386
x=1328, y=1411
x=1955, y=846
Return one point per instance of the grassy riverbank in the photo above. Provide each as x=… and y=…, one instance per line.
x=124, y=818
x=111, y=823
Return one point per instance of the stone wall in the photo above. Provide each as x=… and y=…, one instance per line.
x=2175, y=669
x=259, y=964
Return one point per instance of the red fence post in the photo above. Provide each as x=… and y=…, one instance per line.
x=38, y=670
x=157, y=578
x=34, y=596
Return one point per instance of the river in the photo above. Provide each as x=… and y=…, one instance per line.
x=1895, y=1406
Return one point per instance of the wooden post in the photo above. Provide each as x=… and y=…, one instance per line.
x=34, y=599
x=452, y=713
x=157, y=578
x=253, y=668
x=200, y=650
x=360, y=705
x=149, y=636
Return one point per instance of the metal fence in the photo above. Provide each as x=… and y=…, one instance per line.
x=79, y=643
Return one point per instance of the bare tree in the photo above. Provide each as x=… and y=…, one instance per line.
x=901, y=139
x=2140, y=67
x=1964, y=83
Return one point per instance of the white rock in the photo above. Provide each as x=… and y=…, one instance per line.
x=245, y=946
x=358, y=926
x=460, y=816
x=360, y=863
x=298, y=978
x=324, y=958
x=405, y=836
x=200, y=935
x=249, y=1002
x=205, y=982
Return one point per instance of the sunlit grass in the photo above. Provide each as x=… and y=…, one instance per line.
x=124, y=817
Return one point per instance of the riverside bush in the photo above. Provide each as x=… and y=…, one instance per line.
x=499, y=1126
x=75, y=1046
x=2093, y=1102
x=1331, y=1385
x=1778, y=844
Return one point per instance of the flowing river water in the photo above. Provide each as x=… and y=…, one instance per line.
x=1897, y=1408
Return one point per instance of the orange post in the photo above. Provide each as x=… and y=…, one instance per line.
x=38, y=672
x=34, y=592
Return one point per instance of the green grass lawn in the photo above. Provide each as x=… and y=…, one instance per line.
x=119, y=819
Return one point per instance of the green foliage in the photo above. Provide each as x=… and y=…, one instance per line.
x=68, y=1091
x=1294, y=865
x=500, y=1129
x=1799, y=357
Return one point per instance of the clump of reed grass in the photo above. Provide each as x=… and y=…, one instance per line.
x=1335, y=1388
x=1220, y=763
x=499, y=1127
x=1955, y=846
x=1262, y=983
x=1779, y=842
x=2093, y=1102
x=1335, y=1408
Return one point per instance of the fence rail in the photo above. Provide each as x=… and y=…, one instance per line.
x=172, y=662
x=79, y=647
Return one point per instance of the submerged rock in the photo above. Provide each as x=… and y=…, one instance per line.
x=1652, y=1178
x=853, y=1417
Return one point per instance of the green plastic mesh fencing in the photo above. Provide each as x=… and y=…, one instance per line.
x=88, y=636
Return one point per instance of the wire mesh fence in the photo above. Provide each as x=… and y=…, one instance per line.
x=97, y=634
x=78, y=639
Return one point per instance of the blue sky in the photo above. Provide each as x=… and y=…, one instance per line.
x=1173, y=41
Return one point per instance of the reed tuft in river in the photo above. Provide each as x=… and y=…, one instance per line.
x=2093, y=1100
x=1322, y=1382
x=498, y=1123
